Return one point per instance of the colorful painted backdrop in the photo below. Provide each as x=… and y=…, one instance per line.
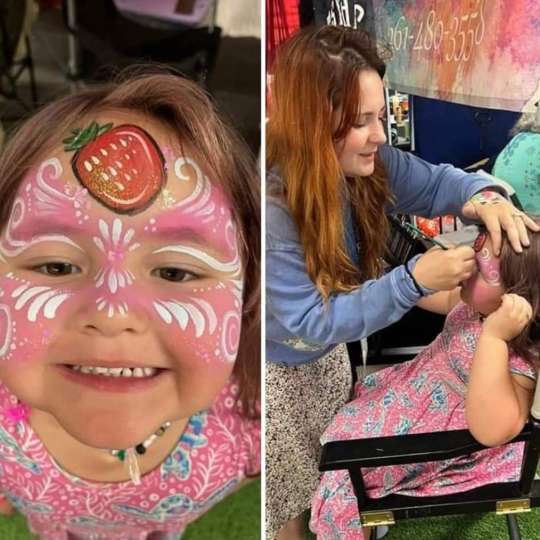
x=476, y=52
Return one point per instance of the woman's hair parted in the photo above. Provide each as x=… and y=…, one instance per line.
x=519, y=274
x=315, y=74
x=182, y=108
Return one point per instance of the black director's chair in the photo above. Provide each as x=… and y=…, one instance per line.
x=507, y=498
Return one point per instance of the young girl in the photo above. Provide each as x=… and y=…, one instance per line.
x=129, y=309
x=478, y=374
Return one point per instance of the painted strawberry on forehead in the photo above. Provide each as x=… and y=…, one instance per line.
x=122, y=167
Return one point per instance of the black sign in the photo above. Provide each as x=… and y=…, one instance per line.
x=350, y=13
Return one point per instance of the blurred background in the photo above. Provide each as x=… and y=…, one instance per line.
x=52, y=47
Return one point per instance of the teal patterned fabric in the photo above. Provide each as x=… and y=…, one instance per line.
x=519, y=165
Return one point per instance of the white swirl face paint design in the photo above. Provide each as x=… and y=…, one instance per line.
x=232, y=266
x=36, y=299
x=51, y=201
x=6, y=329
x=10, y=247
x=198, y=203
x=203, y=316
x=230, y=335
x=207, y=317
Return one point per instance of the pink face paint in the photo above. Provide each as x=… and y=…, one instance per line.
x=483, y=290
x=199, y=319
x=488, y=264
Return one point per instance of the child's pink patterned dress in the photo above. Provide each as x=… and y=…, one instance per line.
x=423, y=395
x=218, y=449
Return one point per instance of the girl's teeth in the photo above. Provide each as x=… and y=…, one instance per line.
x=116, y=372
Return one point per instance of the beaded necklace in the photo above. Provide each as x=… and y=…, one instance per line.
x=129, y=455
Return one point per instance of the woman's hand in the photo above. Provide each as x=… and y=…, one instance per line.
x=497, y=213
x=510, y=319
x=6, y=508
x=443, y=270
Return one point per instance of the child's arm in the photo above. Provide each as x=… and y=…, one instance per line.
x=498, y=402
x=440, y=302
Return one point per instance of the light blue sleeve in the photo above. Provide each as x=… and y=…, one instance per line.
x=294, y=301
x=427, y=190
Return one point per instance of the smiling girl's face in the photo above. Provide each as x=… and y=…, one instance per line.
x=97, y=271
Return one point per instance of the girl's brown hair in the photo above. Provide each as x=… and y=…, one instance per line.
x=315, y=73
x=519, y=274
x=185, y=110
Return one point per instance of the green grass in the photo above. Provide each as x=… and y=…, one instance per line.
x=465, y=527
x=236, y=518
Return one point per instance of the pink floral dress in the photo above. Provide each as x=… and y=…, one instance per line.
x=218, y=448
x=423, y=395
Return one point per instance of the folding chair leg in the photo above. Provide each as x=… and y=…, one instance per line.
x=30, y=62
x=513, y=528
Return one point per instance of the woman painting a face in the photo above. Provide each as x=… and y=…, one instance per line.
x=331, y=182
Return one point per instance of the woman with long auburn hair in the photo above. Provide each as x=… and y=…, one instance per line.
x=331, y=182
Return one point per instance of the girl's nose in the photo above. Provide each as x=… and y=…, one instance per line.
x=109, y=318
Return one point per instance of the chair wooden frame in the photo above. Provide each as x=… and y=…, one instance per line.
x=504, y=498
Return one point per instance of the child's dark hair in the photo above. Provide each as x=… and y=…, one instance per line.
x=182, y=108
x=519, y=273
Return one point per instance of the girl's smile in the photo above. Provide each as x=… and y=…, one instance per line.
x=113, y=379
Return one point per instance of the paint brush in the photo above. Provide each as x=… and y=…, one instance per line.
x=417, y=232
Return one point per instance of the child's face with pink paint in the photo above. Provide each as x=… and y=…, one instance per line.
x=124, y=259
x=484, y=289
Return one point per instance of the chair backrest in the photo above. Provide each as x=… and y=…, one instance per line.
x=535, y=408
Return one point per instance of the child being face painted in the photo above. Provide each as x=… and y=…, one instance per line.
x=122, y=285
x=129, y=301
x=483, y=290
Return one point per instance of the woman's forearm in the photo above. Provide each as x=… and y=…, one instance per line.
x=441, y=302
x=493, y=409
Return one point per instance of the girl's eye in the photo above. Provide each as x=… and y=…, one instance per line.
x=57, y=269
x=174, y=274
